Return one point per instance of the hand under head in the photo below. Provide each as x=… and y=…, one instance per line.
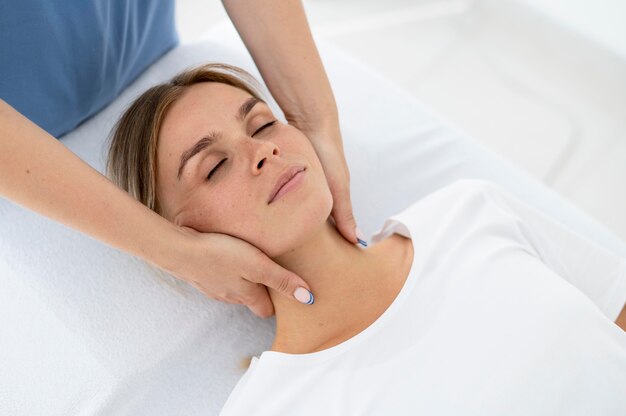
x=219, y=196
x=225, y=186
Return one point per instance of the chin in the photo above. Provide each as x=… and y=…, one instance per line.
x=298, y=230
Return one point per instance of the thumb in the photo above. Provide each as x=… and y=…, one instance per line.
x=344, y=218
x=288, y=284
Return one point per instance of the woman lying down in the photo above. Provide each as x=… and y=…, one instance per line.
x=469, y=302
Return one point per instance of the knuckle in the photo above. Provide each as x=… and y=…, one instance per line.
x=283, y=284
x=251, y=301
x=224, y=297
x=265, y=313
x=258, y=261
x=347, y=215
x=252, y=298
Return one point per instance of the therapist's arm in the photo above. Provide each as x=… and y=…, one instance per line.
x=39, y=173
x=277, y=34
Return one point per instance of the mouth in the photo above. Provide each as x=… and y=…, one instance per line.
x=286, y=181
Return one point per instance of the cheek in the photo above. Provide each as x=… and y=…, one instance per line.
x=227, y=213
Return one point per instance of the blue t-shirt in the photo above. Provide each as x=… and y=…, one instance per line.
x=63, y=61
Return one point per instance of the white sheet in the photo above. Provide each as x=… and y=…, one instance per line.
x=87, y=329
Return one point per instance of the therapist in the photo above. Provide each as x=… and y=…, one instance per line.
x=61, y=62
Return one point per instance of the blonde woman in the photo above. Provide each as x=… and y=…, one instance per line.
x=468, y=302
x=91, y=54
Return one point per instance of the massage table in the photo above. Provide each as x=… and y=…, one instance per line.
x=87, y=329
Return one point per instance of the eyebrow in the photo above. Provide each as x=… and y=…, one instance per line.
x=213, y=137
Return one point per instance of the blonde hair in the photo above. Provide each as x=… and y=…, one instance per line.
x=132, y=155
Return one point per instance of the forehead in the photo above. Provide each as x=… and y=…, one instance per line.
x=199, y=107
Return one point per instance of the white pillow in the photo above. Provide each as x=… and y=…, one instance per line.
x=88, y=329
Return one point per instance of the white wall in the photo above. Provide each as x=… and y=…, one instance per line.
x=604, y=21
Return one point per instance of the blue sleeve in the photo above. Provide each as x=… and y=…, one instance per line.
x=63, y=61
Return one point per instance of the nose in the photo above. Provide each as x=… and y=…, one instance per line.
x=264, y=150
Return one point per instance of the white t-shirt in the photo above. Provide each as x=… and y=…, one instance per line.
x=504, y=312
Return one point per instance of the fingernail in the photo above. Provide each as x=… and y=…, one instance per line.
x=360, y=237
x=304, y=296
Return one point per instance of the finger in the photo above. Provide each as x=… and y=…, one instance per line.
x=286, y=283
x=260, y=302
x=343, y=215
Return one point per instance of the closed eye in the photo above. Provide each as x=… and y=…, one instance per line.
x=215, y=168
x=271, y=123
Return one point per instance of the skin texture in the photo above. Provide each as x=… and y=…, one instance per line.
x=295, y=230
x=234, y=200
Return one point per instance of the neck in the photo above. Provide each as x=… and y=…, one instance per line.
x=343, y=277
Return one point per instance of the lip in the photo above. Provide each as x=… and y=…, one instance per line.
x=283, y=178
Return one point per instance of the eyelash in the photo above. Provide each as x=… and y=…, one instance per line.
x=271, y=123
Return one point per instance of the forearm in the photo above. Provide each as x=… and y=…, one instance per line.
x=38, y=172
x=621, y=319
x=279, y=39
